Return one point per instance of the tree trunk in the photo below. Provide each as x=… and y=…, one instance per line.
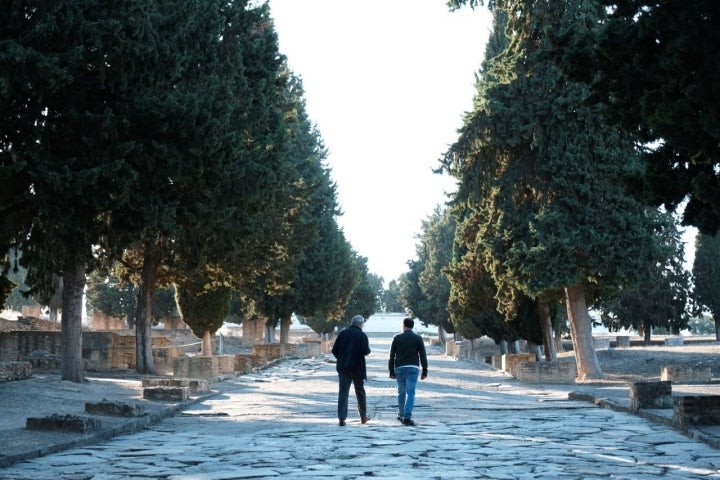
x=588, y=366
x=558, y=341
x=269, y=333
x=647, y=329
x=442, y=335
x=206, y=350
x=503, y=347
x=71, y=333
x=547, y=334
x=285, y=330
x=143, y=313
x=55, y=304
x=717, y=329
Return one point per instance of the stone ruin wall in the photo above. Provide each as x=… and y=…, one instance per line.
x=101, y=350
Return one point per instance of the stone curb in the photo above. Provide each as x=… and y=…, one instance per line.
x=121, y=427
x=651, y=415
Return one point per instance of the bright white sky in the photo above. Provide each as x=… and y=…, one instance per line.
x=387, y=83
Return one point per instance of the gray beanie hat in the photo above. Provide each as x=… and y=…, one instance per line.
x=357, y=319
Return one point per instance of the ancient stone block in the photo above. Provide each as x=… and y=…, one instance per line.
x=195, y=367
x=451, y=348
x=196, y=385
x=689, y=410
x=546, y=372
x=601, y=343
x=65, y=423
x=512, y=360
x=226, y=364
x=269, y=351
x=622, y=341
x=114, y=409
x=686, y=374
x=674, y=341
x=650, y=395
x=166, y=394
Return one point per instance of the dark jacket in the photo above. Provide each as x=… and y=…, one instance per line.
x=350, y=348
x=407, y=348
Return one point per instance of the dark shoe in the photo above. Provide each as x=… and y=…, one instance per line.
x=400, y=419
x=364, y=420
x=408, y=422
x=342, y=423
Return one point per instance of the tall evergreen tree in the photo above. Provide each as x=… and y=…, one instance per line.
x=210, y=180
x=203, y=306
x=706, y=270
x=391, y=298
x=274, y=293
x=365, y=298
x=550, y=176
x=661, y=298
x=62, y=155
x=436, y=241
x=328, y=275
x=654, y=66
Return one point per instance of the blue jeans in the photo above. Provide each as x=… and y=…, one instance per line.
x=346, y=378
x=406, y=378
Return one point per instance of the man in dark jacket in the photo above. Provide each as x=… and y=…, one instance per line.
x=350, y=348
x=407, y=354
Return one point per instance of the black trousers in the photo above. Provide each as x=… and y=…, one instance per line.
x=346, y=378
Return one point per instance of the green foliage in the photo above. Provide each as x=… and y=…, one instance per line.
x=202, y=306
x=654, y=65
x=273, y=290
x=425, y=289
x=661, y=298
x=706, y=270
x=118, y=298
x=327, y=276
x=391, y=298
x=365, y=298
x=702, y=325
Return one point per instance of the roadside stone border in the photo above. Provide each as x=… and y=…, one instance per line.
x=106, y=429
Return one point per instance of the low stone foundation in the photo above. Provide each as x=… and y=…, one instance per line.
x=226, y=364
x=196, y=367
x=301, y=350
x=115, y=409
x=684, y=374
x=166, y=394
x=64, y=423
x=546, y=372
x=246, y=363
x=601, y=343
x=11, y=371
x=511, y=360
x=197, y=386
x=268, y=351
x=674, y=341
x=650, y=395
x=689, y=410
x=622, y=341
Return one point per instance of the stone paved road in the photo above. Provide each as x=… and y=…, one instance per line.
x=473, y=422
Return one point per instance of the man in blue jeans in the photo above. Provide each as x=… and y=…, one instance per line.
x=407, y=355
x=350, y=348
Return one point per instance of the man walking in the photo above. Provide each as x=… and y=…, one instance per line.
x=407, y=354
x=350, y=348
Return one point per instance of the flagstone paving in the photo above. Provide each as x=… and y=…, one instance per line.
x=472, y=422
